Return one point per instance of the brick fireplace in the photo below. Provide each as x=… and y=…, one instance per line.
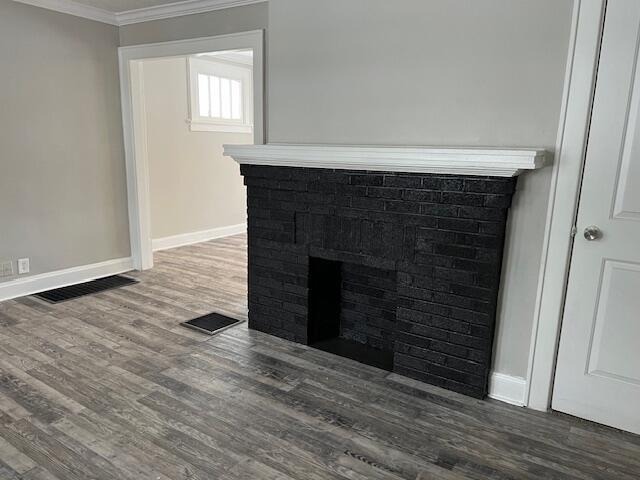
x=397, y=269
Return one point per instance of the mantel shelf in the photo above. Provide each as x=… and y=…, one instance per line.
x=498, y=162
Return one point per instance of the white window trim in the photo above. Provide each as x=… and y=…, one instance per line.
x=202, y=126
x=217, y=67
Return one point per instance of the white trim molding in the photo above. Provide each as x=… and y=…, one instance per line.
x=76, y=9
x=573, y=131
x=61, y=278
x=134, y=120
x=138, y=15
x=199, y=126
x=498, y=162
x=176, y=9
x=242, y=73
x=183, y=239
x=507, y=388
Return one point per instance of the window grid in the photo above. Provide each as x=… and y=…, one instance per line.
x=219, y=97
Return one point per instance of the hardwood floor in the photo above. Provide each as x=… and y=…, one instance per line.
x=111, y=387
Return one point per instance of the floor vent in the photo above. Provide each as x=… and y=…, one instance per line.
x=211, y=323
x=87, y=288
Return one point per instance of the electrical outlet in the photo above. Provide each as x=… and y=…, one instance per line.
x=23, y=265
x=6, y=269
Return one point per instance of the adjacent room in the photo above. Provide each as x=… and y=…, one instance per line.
x=191, y=107
x=185, y=108
x=319, y=239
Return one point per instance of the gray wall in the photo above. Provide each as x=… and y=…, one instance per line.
x=192, y=186
x=436, y=72
x=410, y=72
x=218, y=22
x=417, y=72
x=62, y=176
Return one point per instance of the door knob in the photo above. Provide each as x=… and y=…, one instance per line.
x=592, y=232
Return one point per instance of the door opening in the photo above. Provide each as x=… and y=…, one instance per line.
x=598, y=364
x=229, y=111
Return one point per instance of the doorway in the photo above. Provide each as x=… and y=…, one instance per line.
x=598, y=364
x=196, y=51
x=193, y=106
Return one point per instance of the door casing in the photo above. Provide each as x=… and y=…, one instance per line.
x=573, y=130
x=134, y=122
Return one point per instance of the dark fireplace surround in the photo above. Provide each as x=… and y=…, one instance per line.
x=398, y=270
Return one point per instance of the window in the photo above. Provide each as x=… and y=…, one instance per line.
x=220, y=94
x=219, y=97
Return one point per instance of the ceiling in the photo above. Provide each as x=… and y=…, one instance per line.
x=124, y=12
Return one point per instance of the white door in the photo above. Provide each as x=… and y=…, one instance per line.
x=598, y=369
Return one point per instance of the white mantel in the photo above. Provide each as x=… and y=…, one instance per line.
x=498, y=162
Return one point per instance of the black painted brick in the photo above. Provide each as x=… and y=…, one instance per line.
x=439, y=210
x=459, y=198
x=421, y=196
x=458, y=224
x=489, y=185
x=401, y=206
x=420, y=364
x=497, y=201
x=407, y=181
x=368, y=180
x=456, y=251
x=482, y=213
x=477, y=392
x=443, y=184
x=381, y=192
x=420, y=259
x=367, y=203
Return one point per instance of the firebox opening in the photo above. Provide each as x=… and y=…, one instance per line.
x=352, y=311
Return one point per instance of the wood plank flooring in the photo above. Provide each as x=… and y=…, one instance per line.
x=111, y=387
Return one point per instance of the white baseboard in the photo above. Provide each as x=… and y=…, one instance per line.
x=507, y=388
x=61, y=278
x=197, y=237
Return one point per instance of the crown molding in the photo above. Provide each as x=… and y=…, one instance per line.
x=127, y=17
x=74, y=8
x=177, y=9
x=497, y=162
